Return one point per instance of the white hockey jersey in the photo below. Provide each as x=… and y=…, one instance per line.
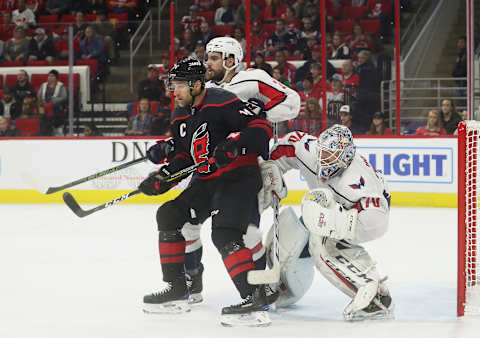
x=281, y=103
x=359, y=186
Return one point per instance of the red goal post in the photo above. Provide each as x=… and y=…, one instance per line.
x=468, y=289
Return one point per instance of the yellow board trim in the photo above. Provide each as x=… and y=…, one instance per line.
x=399, y=199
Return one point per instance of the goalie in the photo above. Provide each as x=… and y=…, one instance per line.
x=348, y=205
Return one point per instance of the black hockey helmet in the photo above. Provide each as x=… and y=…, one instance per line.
x=190, y=70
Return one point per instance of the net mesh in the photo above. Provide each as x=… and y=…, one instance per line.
x=472, y=252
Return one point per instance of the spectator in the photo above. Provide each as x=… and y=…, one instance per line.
x=151, y=88
x=367, y=73
x=79, y=25
x=346, y=120
x=335, y=100
x=239, y=35
x=105, y=29
x=123, y=6
x=165, y=67
x=464, y=116
x=141, y=124
x=281, y=39
x=224, y=15
x=258, y=37
x=259, y=62
x=188, y=42
x=92, y=46
x=58, y=6
x=53, y=91
x=307, y=48
x=350, y=80
x=192, y=20
x=205, y=5
x=9, y=5
x=180, y=53
x=199, y=52
x=314, y=13
x=307, y=30
x=368, y=90
x=278, y=75
x=460, y=69
x=287, y=68
x=300, y=7
x=379, y=126
x=62, y=49
x=16, y=49
x=316, y=71
x=7, y=27
x=449, y=115
x=41, y=47
x=205, y=32
x=274, y=9
x=434, y=125
x=290, y=17
x=6, y=130
x=23, y=17
x=308, y=120
x=301, y=72
x=358, y=40
x=97, y=6
x=340, y=49
x=91, y=130
x=241, y=12
x=8, y=105
x=22, y=87
x=381, y=10
x=29, y=108
x=307, y=92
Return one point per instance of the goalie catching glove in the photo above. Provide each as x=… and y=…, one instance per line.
x=323, y=216
x=155, y=183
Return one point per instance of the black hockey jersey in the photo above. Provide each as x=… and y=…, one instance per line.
x=199, y=129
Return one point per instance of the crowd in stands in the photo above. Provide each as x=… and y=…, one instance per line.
x=35, y=33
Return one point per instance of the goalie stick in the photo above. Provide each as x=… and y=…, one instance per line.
x=50, y=190
x=273, y=274
x=75, y=207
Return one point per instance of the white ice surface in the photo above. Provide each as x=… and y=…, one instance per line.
x=66, y=277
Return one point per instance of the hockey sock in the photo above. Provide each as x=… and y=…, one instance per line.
x=171, y=245
x=238, y=261
x=192, y=261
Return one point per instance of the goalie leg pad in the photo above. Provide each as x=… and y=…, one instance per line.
x=253, y=241
x=296, y=274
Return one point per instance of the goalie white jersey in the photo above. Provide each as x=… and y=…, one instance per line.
x=281, y=103
x=359, y=186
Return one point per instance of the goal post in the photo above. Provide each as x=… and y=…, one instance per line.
x=468, y=288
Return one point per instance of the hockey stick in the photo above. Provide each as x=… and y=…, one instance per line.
x=272, y=275
x=50, y=190
x=75, y=207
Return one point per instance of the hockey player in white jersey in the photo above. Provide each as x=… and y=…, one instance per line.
x=347, y=205
x=279, y=102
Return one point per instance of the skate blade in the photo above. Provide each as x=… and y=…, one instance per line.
x=195, y=298
x=379, y=315
x=252, y=319
x=175, y=307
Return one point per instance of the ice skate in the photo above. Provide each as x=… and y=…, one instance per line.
x=252, y=311
x=173, y=299
x=195, y=286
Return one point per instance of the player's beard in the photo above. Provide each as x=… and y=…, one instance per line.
x=216, y=76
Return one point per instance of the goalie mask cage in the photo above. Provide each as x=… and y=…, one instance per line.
x=468, y=289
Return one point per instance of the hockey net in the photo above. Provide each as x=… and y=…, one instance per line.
x=468, y=295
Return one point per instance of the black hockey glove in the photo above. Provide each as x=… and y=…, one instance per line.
x=155, y=183
x=256, y=106
x=160, y=151
x=225, y=153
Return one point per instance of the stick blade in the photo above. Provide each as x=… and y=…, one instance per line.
x=73, y=205
x=264, y=276
x=33, y=183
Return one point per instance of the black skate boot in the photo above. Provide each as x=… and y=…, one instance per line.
x=172, y=299
x=195, y=285
x=252, y=311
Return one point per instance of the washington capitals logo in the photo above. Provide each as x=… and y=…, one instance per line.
x=359, y=185
x=307, y=144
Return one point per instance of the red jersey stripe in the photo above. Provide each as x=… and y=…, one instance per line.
x=242, y=256
x=172, y=248
x=242, y=268
x=241, y=161
x=276, y=96
x=174, y=259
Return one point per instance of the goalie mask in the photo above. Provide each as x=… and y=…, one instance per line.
x=335, y=151
x=226, y=46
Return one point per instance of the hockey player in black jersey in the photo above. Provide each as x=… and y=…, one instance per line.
x=225, y=190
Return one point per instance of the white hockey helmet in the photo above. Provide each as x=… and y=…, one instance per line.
x=227, y=46
x=335, y=151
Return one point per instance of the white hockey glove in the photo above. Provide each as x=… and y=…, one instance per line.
x=272, y=184
x=325, y=217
